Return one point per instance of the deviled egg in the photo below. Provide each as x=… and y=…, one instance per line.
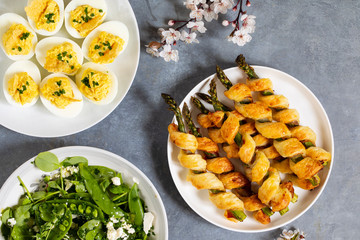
x=59, y=55
x=18, y=39
x=45, y=16
x=60, y=95
x=97, y=83
x=83, y=16
x=106, y=42
x=21, y=83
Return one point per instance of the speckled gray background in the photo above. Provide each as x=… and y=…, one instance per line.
x=317, y=42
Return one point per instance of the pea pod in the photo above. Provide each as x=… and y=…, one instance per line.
x=98, y=195
x=89, y=230
x=21, y=230
x=82, y=208
x=135, y=205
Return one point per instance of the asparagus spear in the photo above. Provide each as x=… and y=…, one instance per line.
x=240, y=61
x=223, y=78
x=187, y=115
x=173, y=107
x=218, y=106
x=199, y=105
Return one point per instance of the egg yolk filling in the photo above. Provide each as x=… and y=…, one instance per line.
x=17, y=40
x=105, y=48
x=85, y=18
x=58, y=91
x=45, y=14
x=23, y=88
x=62, y=58
x=95, y=85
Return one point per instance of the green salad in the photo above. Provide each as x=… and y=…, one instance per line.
x=77, y=201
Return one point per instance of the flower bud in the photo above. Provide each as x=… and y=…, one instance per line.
x=225, y=23
x=171, y=22
x=155, y=45
x=248, y=4
x=235, y=8
x=233, y=24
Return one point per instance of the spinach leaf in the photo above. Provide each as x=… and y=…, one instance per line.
x=71, y=161
x=47, y=161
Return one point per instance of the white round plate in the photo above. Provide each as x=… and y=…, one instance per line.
x=11, y=191
x=312, y=114
x=38, y=121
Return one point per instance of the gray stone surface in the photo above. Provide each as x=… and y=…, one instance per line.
x=317, y=42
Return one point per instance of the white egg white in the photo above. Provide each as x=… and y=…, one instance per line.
x=70, y=111
x=100, y=4
x=59, y=24
x=8, y=19
x=18, y=67
x=114, y=27
x=47, y=43
x=101, y=68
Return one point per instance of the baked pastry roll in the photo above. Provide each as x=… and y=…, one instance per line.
x=290, y=117
x=205, y=181
x=258, y=85
x=248, y=128
x=261, y=217
x=232, y=150
x=216, y=118
x=239, y=93
x=215, y=135
x=252, y=203
x=207, y=145
x=259, y=168
x=289, y=148
x=282, y=166
x=270, y=186
x=204, y=121
x=272, y=130
x=261, y=141
x=230, y=127
x=233, y=180
x=192, y=161
x=256, y=110
x=319, y=154
x=275, y=101
x=182, y=140
x=271, y=153
x=305, y=184
x=219, y=165
x=306, y=168
x=281, y=199
x=226, y=200
x=303, y=134
x=247, y=149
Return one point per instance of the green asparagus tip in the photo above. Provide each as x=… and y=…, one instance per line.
x=267, y=211
x=240, y=60
x=285, y=210
x=239, y=215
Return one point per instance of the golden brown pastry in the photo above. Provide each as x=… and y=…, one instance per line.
x=205, y=181
x=259, y=168
x=230, y=127
x=305, y=184
x=207, y=145
x=281, y=199
x=256, y=110
x=258, y=85
x=248, y=128
x=273, y=130
x=289, y=148
x=232, y=150
x=233, y=180
x=192, y=161
x=303, y=134
x=219, y=165
x=226, y=200
x=216, y=118
x=261, y=217
x=247, y=149
x=306, y=168
x=277, y=102
x=215, y=135
x=182, y=140
x=270, y=186
x=290, y=117
x=261, y=141
x=271, y=153
x=239, y=93
x=252, y=203
x=319, y=154
x=282, y=165
x=204, y=121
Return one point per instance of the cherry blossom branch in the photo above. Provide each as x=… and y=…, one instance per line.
x=202, y=9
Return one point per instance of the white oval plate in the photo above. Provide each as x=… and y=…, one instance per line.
x=11, y=191
x=38, y=121
x=312, y=114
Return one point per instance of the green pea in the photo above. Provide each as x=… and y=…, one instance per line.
x=73, y=207
x=88, y=210
x=66, y=223
x=62, y=227
x=81, y=208
x=95, y=213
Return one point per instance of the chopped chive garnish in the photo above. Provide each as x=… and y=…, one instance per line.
x=101, y=53
x=24, y=36
x=19, y=49
x=58, y=83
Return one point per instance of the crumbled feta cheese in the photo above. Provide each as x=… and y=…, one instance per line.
x=122, y=232
x=11, y=222
x=147, y=222
x=114, y=220
x=116, y=181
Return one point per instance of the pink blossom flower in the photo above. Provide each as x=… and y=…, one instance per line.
x=240, y=37
x=168, y=54
x=188, y=38
x=170, y=36
x=197, y=26
x=248, y=23
x=209, y=13
x=222, y=6
x=197, y=13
